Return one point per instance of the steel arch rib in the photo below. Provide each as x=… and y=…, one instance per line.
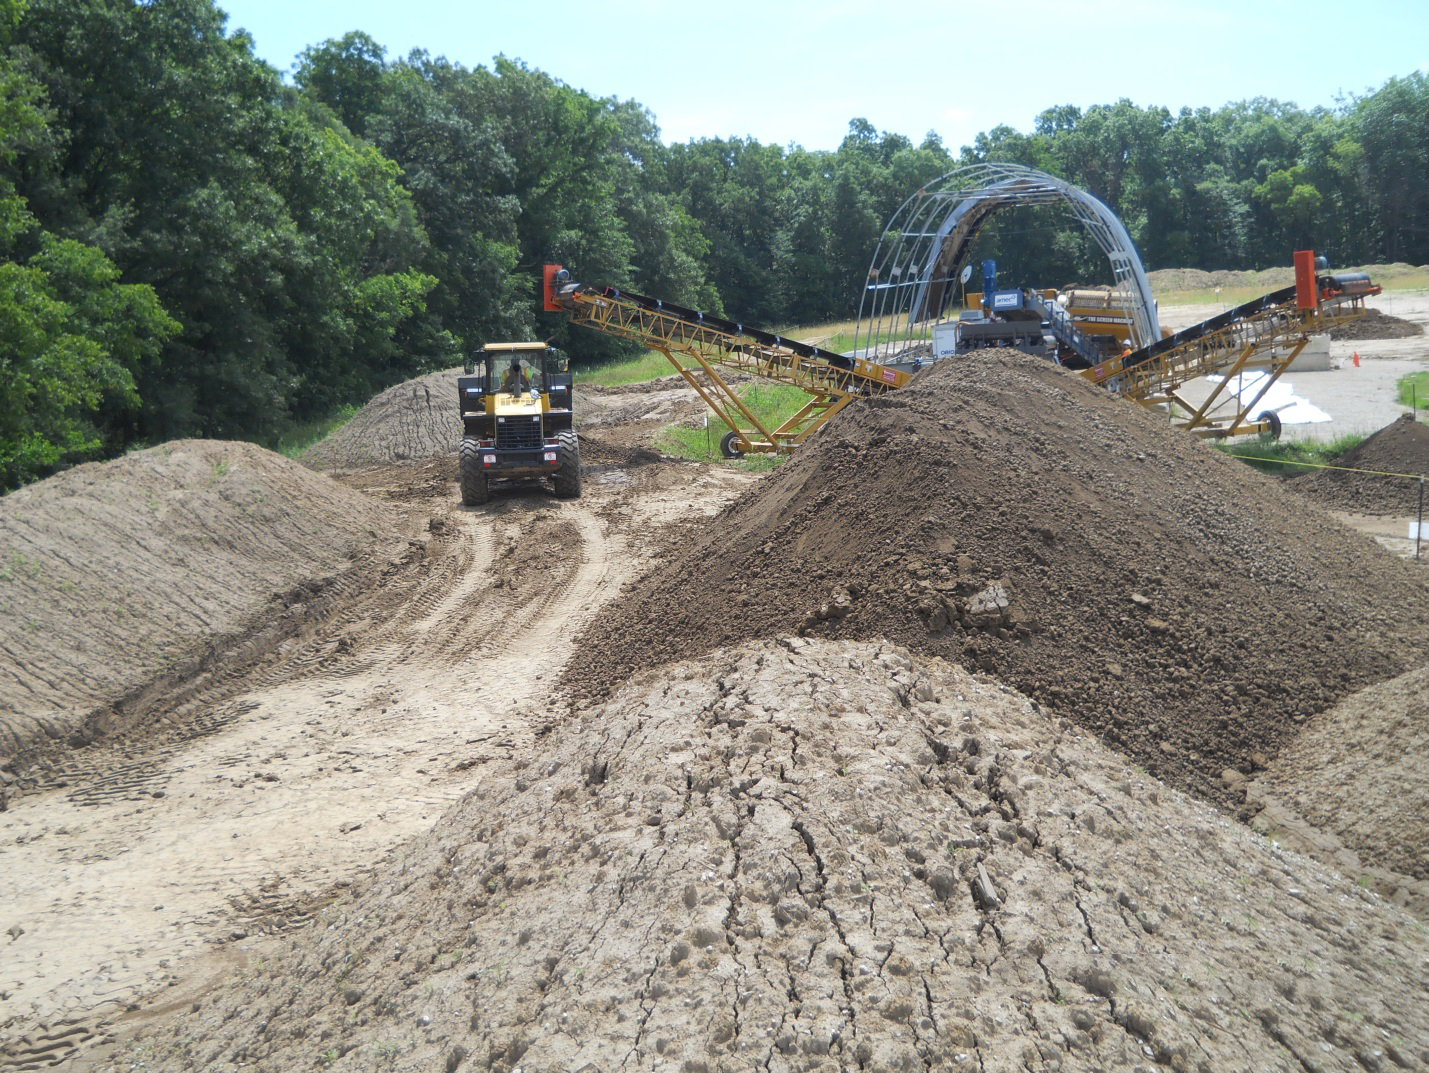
x=927, y=241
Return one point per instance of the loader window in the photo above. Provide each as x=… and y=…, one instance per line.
x=515, y=374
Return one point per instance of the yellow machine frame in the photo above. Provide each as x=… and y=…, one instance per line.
x=1270, y=341
x=712, y=349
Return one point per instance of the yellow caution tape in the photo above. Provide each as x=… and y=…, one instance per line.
x=1342, y=469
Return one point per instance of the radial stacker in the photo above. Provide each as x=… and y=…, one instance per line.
x=713, y=348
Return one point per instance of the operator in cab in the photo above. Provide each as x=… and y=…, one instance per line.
x=515, y=379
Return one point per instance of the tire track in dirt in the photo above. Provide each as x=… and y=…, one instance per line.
x=297, y=771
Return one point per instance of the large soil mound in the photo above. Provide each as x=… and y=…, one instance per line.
x=114, y=574
x=1402, y=448
x=823, y=856
x=1007, y=515
x=412, y=420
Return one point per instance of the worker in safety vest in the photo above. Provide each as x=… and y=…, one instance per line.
x=515, y=379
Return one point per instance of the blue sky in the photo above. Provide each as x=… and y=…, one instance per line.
x=797, y=71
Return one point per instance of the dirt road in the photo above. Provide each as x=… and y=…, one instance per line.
x=318, y=762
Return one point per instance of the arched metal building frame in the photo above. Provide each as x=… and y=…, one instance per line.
x=914, y=276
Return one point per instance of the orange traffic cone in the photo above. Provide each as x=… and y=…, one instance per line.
x=1356, y=359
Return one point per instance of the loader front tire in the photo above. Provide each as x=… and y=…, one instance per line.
x=568, y=477
x=475, y=489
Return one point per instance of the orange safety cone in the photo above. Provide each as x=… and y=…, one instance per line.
x=1356, y=359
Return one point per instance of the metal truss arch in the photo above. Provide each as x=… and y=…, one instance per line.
x=914, y=274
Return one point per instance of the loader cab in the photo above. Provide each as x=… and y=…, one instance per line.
x=509, y=378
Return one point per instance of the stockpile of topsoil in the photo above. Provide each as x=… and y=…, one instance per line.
x=1377, y=476
x=810, y=856
x=416, y=419
x=1377, y=325
x=112, y=574
x=1013, y=517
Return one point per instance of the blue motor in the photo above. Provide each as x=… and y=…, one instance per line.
x=989, y=281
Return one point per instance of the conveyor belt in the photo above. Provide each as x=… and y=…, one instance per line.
x=1255, y=307
x=705, y=320
x=712, y=344
x=1265, y=333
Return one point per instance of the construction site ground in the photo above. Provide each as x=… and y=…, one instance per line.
x=1002, y=730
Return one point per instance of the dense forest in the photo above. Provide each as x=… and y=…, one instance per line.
x=193, y=246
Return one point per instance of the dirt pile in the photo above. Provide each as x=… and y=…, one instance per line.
x=811, y=856
x=1357, y=773
x=420, y=419
x=1377, y=325
x=1401, y=447
x=1012, y=517
x=412, y=420
x=115, y=574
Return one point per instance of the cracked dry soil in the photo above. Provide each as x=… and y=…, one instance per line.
x=813, y=855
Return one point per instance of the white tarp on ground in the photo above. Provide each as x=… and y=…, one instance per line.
x=1281, y=398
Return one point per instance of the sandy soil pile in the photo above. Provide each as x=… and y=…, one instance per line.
x=1402, y=447
x=1377, y=325
x=115, y=574
x=1014, y=518
x=1357, y=773
x=416, y=419
x=819, y=856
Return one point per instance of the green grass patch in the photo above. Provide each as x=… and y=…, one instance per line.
x=771, y=403
x=1288, y=457
x=649, y=366
x=297, y=437
x=1414, y=391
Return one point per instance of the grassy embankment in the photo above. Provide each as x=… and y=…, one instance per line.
x=1414, y=391
x=292, y=439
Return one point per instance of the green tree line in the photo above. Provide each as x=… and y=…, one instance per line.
x=193, y=246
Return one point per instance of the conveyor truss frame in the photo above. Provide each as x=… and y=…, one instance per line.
x=1267, y=338
x=718, y=347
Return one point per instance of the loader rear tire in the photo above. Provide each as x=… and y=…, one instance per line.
x=568, y=477
x=474, y=487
